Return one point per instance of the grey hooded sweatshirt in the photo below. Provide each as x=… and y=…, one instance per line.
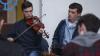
x=86, y=40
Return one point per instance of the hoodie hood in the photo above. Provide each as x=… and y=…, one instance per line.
x=86, y=40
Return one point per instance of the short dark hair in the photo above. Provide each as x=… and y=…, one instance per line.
x=91, y=22
x=76, y=6
x=26, y=4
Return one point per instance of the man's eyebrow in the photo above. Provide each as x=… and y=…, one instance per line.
x=28, y=11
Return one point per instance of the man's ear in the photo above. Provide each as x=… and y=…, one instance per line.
x=81, y=29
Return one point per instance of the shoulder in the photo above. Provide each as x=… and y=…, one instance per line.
x=70, y=49
x=20, y=22
x=71, y=45
x=62, y=22
x=97, y=43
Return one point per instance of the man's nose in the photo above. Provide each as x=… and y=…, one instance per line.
x=29, y=13
x=69, y=13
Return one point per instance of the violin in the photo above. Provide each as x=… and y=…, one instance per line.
x=37, y=25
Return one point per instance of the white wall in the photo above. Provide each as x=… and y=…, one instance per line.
x=56, y=10
x=37, y=10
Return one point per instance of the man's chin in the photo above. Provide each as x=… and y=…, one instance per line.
x=28, y=17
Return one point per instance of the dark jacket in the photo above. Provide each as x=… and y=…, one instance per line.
x=10, y=49
x=30, y=40
x=85, y=45
x=58, y=38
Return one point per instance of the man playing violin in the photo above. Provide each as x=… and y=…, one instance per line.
x=25, y=33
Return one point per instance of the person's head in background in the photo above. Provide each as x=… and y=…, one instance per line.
x=27, y=9
x=75, y=10
x=88, y=23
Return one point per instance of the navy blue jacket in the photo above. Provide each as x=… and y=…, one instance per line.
x=58, y=38
x=30, y=40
